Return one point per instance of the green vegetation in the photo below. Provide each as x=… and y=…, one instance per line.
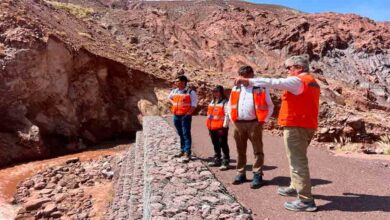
x=76, y=10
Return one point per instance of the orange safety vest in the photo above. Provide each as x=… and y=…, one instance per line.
x=181, y=102
x=215, y=115
x=301, y=110
x=259, y=98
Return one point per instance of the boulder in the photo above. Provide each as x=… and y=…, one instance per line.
x=35, y=204
x=356, y=123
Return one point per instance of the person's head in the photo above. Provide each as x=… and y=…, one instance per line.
x=218, y=92
x=181, y=81
x=246, y=72
x=297, y=65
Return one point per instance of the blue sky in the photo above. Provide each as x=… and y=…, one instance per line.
x=378, y=10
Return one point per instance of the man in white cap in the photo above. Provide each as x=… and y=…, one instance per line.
x=299, y=118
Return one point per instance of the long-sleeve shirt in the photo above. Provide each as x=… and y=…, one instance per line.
x=246, y=108
x=194, y=97
x=292, y=84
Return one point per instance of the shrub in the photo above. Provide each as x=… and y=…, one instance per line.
x=76, y=10
x=385, y=143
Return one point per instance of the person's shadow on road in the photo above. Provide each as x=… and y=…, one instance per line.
x=354, y=202
x=285, y=181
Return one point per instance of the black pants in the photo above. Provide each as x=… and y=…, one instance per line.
x=220, y=142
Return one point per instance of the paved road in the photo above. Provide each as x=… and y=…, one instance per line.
x=344, y=188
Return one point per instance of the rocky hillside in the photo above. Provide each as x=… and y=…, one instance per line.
x=77, y=72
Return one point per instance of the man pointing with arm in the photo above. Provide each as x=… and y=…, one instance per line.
x=299, y=118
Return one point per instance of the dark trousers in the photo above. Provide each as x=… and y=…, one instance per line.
x=219, y=138
x=183, y=127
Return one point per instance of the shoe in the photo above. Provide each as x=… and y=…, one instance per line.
x=224, y=165
x=287, y=191
x=216, y=162
x=300, y=206
x=179, y=154
x=239, y=179
x=257, y=181
x=186, y=158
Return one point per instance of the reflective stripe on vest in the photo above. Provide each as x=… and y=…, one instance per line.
x=215, y=115
x=260, y=103
x=181, y=103
x=301, y=110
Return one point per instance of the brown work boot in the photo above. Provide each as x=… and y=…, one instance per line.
x=186, y=158
x=179, y=154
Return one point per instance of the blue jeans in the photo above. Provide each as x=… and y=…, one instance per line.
x=183, y=127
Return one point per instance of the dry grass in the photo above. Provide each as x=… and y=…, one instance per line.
x=2, y=50
x=385, y=144
x=344, y=144
x=85, y=35
x=76, y=10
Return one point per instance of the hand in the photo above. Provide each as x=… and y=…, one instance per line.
x=240, y=81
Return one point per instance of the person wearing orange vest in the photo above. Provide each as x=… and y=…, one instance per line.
x=217, y=122
x=249, y=108
x=184, y=102
x=299, y=118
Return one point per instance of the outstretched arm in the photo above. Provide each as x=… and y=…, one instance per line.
x=292, y=84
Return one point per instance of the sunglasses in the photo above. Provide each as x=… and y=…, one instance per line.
x=292, y=67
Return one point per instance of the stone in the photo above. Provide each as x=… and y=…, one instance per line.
x=156, y=207
x=106, y=166
x=202, y=185
x=192, y=209
x=49, y=208
x=205, y=210
x=56, y=214
x=46, y=191
x=29, y=183
x=21, y=211
x=62, y=183
x=205, y=173
x=73, y=185
x=35, y=204
x=59, y=198
x=189, y=191
x=155, y=199
x=223, y=209
x=39, y=185
x=83, y=215
x=356, y=123
x=179, y=171
x=72, y=160
x=210, y=199
x=108, y=174
x=379, y=151
x=349, y=131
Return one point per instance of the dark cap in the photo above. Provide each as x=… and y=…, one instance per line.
x=182, y=78
x=218, y=88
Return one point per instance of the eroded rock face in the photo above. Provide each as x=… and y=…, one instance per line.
x=57, y=96
x=67, y=95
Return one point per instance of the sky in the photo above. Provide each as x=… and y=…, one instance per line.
x=378, y=10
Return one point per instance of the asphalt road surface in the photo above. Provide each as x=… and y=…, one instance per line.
x=344, y=188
